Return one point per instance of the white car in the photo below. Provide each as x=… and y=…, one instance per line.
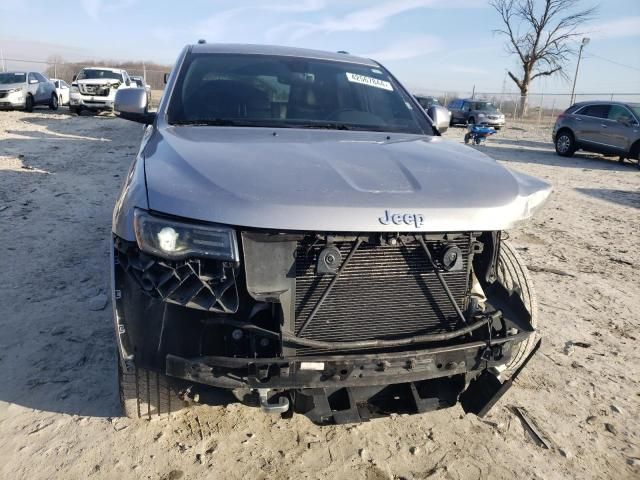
x=25, y=90
x=94, y=88
x=62, y=89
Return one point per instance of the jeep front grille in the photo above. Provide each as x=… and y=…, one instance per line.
x=385, y=292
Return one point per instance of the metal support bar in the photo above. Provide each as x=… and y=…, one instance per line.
x=442, y=280
x=330, y=286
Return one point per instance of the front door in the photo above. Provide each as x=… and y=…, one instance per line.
x=589, y=121
x=619, y=128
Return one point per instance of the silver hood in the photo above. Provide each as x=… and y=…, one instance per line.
x=292, y=179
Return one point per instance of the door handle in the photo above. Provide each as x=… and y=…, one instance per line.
x=603, y=125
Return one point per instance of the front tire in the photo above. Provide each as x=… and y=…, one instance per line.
x=513, y=275
x=147, y=394
x=28, y=104
x=53, y=103
x=565, y=144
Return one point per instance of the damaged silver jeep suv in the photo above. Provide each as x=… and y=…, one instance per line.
x=295, y=231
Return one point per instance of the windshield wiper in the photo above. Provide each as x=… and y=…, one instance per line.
x=217, y=122
x=325, y=126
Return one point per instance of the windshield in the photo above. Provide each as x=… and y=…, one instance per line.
x=427, y=102
x=93, y=73
x=6, y=78
x=274, y=91
x=485, y=106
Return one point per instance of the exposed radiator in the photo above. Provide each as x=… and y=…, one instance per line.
x=385, y=292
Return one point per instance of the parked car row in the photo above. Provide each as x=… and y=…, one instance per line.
x=467, y=111
x=93, y=88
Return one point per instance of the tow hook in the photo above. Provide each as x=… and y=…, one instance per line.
x=280, y=407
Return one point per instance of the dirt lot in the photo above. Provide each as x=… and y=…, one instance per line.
x=59, y=414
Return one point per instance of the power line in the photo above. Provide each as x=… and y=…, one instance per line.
x=590, y=55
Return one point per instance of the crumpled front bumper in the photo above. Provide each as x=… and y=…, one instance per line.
x=354, y=370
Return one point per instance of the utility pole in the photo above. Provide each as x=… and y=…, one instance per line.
x=4, y=68
x=585, y=41
x=473, y=93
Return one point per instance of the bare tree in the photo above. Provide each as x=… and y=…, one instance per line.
x=541, y=34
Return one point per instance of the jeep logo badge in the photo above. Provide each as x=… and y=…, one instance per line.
x=409, y=219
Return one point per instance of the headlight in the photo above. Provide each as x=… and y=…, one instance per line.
x=480, y=115
x=177, y=240
x=74, y=89
x=15, y=90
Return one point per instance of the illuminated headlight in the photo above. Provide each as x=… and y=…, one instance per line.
x=177, y=240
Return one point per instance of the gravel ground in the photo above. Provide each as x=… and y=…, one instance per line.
x=59, y=413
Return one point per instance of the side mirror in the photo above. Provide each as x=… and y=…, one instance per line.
x=33, y=80
x=131, y=104
x=440, y=117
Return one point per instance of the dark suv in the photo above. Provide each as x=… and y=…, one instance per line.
x=611, y=128
x=469, y=111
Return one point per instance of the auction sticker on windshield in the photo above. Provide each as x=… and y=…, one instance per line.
x=372, y=82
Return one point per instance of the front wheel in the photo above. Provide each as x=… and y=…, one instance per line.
x=28, y=104
x=147, y=394
x=53, y=103
x=565, y=144
x=513, y=275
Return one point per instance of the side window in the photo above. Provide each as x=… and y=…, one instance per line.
x=32, y=76
x=597, y=111
x=619, y=113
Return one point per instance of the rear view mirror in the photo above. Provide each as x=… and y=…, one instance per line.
x=131, y=104
x=440, y=116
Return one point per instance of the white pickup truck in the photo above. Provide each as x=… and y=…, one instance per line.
x=94, y=88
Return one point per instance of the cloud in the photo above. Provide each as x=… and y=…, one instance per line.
x=94, y=8
x=618, y=28
x=411, y=47
x=364, y=20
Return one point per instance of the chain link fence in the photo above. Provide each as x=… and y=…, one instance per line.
x=153, y=74
x=541, y=109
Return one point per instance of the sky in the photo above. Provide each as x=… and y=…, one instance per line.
x=430, y=45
